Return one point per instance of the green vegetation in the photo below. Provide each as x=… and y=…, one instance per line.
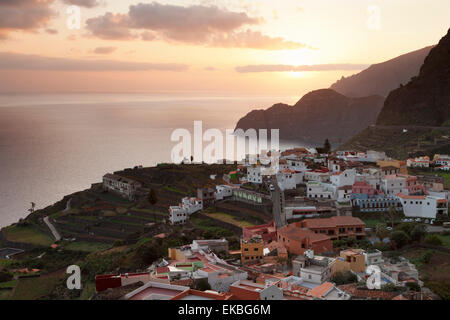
x=445, y=239
x=341, y=278
x=400, y=238
x=27, y=234
x=9, y=284
x=212, y=230
x=433, y=240
x=88, y=290
x=86, y=246
x=35, y=288
x=225, y=217
x=399, y=144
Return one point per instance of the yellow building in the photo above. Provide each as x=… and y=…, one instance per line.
x=351, y=259
x=394, y=163
x=252, y=250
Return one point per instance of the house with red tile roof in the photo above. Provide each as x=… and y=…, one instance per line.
x=336, y=228
x=297, y=239
x=267, y=231
x=248, y=290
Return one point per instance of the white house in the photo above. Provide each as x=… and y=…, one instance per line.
x=223, y=191
x=442, y=160
x=125, y=187
x=420, y=162
x=177, y=215
x=393, y=184
x=373, y=257
x=344, y=193
x=316, y=175
x=320, y=190
x=191, y=205
x=296, y=164
x=286, y=179
x=343, y=178
x=423, y=206
x=254, y=174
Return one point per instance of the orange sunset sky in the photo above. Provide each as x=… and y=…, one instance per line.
x=243, y=47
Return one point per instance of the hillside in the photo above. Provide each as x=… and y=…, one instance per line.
x=399, y=144
x=425, y=100
x=319, y=115
x=382, y=78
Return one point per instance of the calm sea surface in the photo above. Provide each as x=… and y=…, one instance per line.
x=54, y=145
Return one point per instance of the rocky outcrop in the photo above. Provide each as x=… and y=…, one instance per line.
x=319, y=115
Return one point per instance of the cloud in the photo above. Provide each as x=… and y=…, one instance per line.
x=83, y=3
x=24, y=15
x=110, y=27
x=104, y=50
x=15, y=61
x=51, y=31
x=305, y=68
x=255, y=40
x=196, y=25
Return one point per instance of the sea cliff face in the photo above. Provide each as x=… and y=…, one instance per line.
x=382, y=78
x=425, y=100
x=319, y=115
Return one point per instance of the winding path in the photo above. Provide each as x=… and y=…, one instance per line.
x=52, y=228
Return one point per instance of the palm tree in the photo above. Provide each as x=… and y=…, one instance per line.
x=391, y=214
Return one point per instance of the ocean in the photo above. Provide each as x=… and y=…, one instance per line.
x=52, y=145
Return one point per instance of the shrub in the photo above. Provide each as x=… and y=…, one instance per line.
x=426, y=258
x=341, y=278
x=118, y=243
x=400, y=238
x=413, y=286
x=5, y=276
x=382, y=246
x=388, y=287
x=433, y=240
x=418, y=232
x=202, y=285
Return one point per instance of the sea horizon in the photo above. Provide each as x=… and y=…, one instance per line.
x=53, y=145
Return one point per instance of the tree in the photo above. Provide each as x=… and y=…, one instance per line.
x=326, y=146
x=391, y=214
x=400, y=238
x=152, y=197
x=418, y=232
x=380, y=231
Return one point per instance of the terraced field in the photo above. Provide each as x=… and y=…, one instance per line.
x=399, y=144
x=27, y=234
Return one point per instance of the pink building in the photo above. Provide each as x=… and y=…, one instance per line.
x=363, y=187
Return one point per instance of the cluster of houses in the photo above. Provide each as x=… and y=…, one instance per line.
x=439, y=162
x=292, y=257
x=261, y=272
x=370, y=182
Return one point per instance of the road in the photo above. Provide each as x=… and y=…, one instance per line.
x=52, y=228
x=278, y=214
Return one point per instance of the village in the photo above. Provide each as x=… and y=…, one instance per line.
x=324, y=241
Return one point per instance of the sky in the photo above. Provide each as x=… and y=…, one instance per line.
x=235, y=47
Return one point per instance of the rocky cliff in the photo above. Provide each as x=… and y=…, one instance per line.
x=319, y=115
x=382, y=78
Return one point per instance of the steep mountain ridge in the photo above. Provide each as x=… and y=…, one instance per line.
x=318, y=115
x=382, y=78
